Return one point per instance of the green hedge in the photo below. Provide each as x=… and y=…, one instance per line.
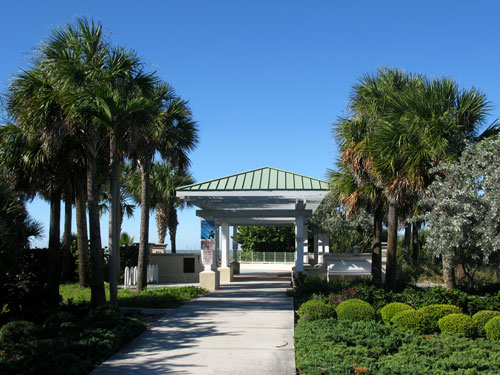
x=316, y=309
x=388, y=311
x=457, y=323
x=492, y=328
x=410, y=320
x=432, y=313
x=480, y=319
x=355, y=310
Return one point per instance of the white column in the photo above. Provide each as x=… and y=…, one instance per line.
x=316, y=248
x=326, y=243
x=299, y=243
x=216, y=251
x=306, y=239
x=225, y=245
x=235, y=243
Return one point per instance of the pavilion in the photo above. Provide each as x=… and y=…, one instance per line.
x=263, y=196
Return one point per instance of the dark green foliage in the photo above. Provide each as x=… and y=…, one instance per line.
x=388, y=311
x=341, y=348
x=355, y=310
x=267, y=238
x=492, y=328
x=482, y=317
x=316, y=309
x=457, y=323
x=410, y=320
x=71, y=341
x=432, y=313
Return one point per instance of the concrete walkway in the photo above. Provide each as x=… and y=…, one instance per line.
x=246, y=327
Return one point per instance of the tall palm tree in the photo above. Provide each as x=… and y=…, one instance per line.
x=367, y=108
x=421, y=128
x=173, y=134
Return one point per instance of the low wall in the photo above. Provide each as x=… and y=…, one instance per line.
x=320, y=269
x=172, y=267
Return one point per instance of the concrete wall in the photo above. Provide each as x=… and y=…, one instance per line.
x=171, y=268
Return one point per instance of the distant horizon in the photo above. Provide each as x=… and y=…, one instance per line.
x=266, y=80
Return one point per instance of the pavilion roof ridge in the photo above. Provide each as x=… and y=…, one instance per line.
x=258, y=179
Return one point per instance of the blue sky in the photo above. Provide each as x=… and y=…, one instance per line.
x=266, y=79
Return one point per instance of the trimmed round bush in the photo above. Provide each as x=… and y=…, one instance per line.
x=316, y=309
x=410, y=320
x=457, y=323
x=433, y=313
x=17, y=332
x=388, y=311
x=482, y=317
x=355, y=310
x=492, y=328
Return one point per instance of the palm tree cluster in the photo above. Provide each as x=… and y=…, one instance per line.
x=398, y=127
x=82, y=109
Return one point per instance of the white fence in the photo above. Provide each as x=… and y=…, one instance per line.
x=130, y=278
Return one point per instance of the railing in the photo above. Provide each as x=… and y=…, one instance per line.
x=130, y=278
x=257, y=256
x=267, y=257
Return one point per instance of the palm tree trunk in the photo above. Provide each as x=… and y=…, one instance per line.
x=161, y=223
x=97, y=296
x=67, y=271
x=448, y=274
x=53, y=267
x=82, y=241
x=407, y=242
x=172, y=228
x=392, y=237
x=114, y=218
x=377, y=245
x=143, y=259
x=415, y=242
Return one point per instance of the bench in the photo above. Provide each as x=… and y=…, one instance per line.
x=348, y=268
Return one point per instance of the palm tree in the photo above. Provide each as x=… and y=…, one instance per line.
x=165, y=179
x=173, y=134
x=367, y=108
x=421, y=128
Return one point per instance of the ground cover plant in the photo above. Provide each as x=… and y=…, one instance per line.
x=333, y=347
x=72, y=340
x=152, y=298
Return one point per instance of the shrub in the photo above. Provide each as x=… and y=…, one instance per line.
x=342, y=347
x=355, y=310
x=432, y=313
x=316, y=309
x=457, y=323
x=482, y=317
x=54, y=321
x=410, y=320
x=492, y=328
x=18, y=331
x=388, y=311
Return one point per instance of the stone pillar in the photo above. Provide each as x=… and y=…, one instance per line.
x=216, y=252
x=226, y=273
x=236, y=264
x=299, y=243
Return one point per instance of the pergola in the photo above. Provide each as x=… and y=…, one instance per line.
x=263, y=196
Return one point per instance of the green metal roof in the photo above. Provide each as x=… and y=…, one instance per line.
x=265, y=178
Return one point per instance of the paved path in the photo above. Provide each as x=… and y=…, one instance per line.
x=246, y=327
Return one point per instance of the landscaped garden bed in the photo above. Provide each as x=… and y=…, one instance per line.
x=73, y=339
x=358, y=328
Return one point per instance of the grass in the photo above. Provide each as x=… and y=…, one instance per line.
x=153, y=298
